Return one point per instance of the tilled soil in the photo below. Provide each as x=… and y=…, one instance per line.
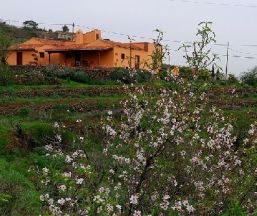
x=77, y=105
x=96, y=91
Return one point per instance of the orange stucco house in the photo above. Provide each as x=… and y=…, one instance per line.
x=86, y=50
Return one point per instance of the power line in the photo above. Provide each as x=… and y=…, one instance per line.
x=225, y=55
x=249, y=45
x=215, y=3
x=246, y=53
x=126, y=35
x=149, y=38
x=227, y=60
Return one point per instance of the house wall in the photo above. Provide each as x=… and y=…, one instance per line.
x=97, y=58
x=79, y=37
x=12, y=58
x=55, y=58
x=108, y=58
x=33, y=58
x=90, y=59
x=91, y=36
x=69, y=62
x=145, y=57
x=28, y=57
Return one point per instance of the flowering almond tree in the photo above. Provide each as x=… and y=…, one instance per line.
x=199, y=55
x=171, y=153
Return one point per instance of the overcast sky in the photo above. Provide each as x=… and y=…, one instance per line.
x=177, y=18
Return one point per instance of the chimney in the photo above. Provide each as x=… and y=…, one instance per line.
x=92, y=36
x=79, y=37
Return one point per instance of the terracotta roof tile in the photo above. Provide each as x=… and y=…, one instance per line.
x=79, y=47
x=123, y=45
x=49, y=42
x=71, y=45
x=25, y=47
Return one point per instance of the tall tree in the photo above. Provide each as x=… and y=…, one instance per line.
x=159, y=52
x=5, y=42
x=30, y=24
x=65, y=28
x=199, y=55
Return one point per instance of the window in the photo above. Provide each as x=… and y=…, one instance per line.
x=97, y=36
x=122, y=56
x=137, y=61
x=42, y=55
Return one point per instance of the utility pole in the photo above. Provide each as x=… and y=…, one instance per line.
x=73, y=27
x=130, y=52
x=227, y=60
x=168, y=53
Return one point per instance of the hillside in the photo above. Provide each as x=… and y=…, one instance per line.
x=19, y=34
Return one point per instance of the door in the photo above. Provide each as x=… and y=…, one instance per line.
x=19, y=58
x=77, y=59
x=137, y=62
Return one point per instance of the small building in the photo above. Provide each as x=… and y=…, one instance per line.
x=86, y=50
x=64, y=35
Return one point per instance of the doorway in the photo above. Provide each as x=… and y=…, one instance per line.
x=137, y=62
x=19, y=58
x=77, y=59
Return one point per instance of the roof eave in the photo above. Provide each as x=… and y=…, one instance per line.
x=22, y=49
x=83, y=49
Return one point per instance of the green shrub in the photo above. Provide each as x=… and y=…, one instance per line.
x=204, y=75
x=38, y=132
x=41, y=133
x=250, y=77
x=232, y=79
x=126, y=76
x=235, y=210
x=186, y=72
x=18, y=195
x=163, y=74
x=5, y=135
x=6, y=75
x=80, y=76
x=143, y=76
x=122, y=75
x=24, y=111
x=67, y=137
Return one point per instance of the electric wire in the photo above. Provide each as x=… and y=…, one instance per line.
x=148, y=38
x=215, y=3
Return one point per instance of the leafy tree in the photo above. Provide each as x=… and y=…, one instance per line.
x=250, y=77
x=159, y=52
x=5, y=42
x=232, y=79
x=199, y=55
x=30, y=24
x=65, y=28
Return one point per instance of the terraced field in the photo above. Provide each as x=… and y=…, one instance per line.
x=28, y=113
